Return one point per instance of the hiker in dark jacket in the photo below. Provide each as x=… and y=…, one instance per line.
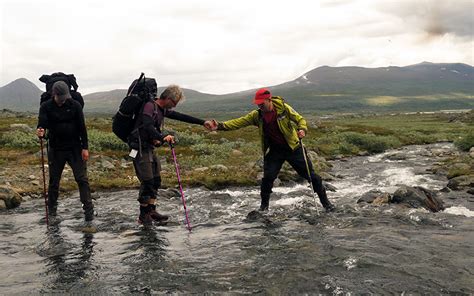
x=148, y=136
x=67, y=142
x=281, y=129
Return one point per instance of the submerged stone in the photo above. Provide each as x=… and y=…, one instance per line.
x=418, y=197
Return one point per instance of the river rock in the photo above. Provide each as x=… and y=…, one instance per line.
x=169, y=193
x=461, y=182
x=220, y=196
x=326, y=177
x=219, y=168
x=11, y=198
x=236, y=152
x=373, y=195
x=471, y=152
x=106, y=164
x=329, y=187
x=21, y=127
x=395, y=156
x=417, y=197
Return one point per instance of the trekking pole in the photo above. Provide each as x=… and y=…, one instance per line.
x=45, y=195
x=309, y=175
x=180, y=186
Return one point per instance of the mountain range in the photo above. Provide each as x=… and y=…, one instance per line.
x=420, y=87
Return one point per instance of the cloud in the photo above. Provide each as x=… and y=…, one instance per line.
x=435, y=17
x=220, y=46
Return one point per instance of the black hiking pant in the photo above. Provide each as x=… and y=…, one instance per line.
x=57, y=159
x=273, y=162
x=147, y=167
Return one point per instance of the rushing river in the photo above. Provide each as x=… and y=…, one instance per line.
x=292, y=250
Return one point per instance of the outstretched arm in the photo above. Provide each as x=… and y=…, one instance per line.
x=184, y=117
x=237, y=123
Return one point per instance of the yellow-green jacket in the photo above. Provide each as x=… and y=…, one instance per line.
x=288, y=120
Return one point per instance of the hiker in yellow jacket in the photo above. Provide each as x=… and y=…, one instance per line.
x=281, y=129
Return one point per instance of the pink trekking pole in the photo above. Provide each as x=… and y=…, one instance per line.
x=180, y=186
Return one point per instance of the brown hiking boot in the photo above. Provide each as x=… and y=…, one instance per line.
x=145, y=216
x=157, y=216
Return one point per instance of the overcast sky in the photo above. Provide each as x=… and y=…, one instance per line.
x=219, y=46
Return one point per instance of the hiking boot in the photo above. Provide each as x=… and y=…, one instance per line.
x=265, y=202
x=155, y=215
x=330, y=208
x=145, y=217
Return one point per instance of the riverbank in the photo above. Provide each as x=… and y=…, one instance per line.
x=222, y=159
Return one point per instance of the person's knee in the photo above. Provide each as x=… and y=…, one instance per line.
x=143, y=199
x=147, y=191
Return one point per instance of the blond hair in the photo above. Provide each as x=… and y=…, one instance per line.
x=174, y=93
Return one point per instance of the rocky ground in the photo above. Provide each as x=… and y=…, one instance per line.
x=22, y=181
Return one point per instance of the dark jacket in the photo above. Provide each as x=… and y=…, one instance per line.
x=150, y=122
x=66, y=125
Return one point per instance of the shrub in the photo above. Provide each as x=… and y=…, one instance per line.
x=99, y=140
x=371, y=142
x=19, y=139
x=465, y=143
x=189, y=138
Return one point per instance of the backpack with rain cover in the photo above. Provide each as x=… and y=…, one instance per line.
x=69, y=79
x=141, y=91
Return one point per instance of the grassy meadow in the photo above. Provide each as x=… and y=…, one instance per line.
x=219, y=159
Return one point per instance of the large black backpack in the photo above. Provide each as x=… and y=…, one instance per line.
x=59, y=76
x=140, y=91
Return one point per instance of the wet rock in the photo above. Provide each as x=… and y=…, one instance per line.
x=383, y=199
x=441, y=152
x=396, y=156
x=417, y=197
x=445, y=190
x=220, y=196
x=330, y=187
x=169, y=193
x=372, y=195
x=461, y=182
x=363, y=153
x=255, y=216
x=10, y=197
x=3, y=205
x=327, y=177
x=471, y=191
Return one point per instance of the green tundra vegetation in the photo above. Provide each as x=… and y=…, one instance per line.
x=218, y=159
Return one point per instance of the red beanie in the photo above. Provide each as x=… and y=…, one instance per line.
x=261, y=95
